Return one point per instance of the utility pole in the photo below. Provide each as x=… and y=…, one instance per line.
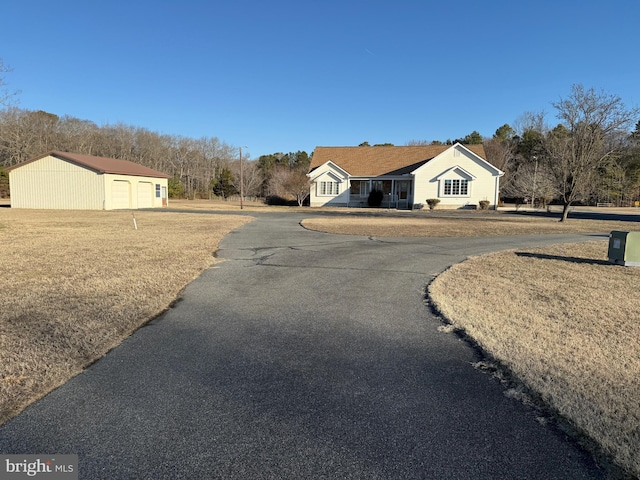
x=241, y=180
x=535, y=175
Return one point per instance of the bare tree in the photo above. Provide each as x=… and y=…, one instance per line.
x=533, y=180
x=252, y=177
x=530, y=122
x=75, y=135
x=47, y=125
x=501, y=153
x=182, y=163
x=592, y=124
x=18, y=136
x=289, y=184
x=196, y=164
x=6, y=95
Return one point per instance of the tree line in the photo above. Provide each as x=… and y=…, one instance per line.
x=591, y=155
x=194, y=164
x=203, y=167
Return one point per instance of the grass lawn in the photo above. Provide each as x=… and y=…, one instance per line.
x=566, y=324
x=76, y=283
x=457, y=225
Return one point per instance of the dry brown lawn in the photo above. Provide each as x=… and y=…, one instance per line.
x=480, y=224
x=567, y=324
x=219, y=204
x=75, y=284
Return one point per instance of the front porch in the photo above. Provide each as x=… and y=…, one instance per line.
x=396, y=193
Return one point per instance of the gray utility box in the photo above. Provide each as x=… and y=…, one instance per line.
x=624, y=248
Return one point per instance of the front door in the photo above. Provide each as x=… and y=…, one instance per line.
x=164, y=196
x=403, y=192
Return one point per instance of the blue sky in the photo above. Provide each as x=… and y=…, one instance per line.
x=290, y=75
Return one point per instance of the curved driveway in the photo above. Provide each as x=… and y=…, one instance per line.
x=304, y=355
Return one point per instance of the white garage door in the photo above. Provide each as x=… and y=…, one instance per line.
x=120, y=197
x=145, y=195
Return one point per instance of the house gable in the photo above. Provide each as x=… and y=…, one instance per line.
x=458, y=177
x=456, y=154
x=328, y=168
x=329, y=185
x=455, y=172
x=328, y=176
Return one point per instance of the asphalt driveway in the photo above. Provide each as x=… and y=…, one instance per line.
x=304, y=355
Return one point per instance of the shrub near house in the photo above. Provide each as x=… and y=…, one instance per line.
x=432, y=202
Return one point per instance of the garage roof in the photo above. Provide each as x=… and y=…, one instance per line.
x=100, y=164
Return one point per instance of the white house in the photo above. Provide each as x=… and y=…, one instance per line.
x=458, y=175
x=62, y=180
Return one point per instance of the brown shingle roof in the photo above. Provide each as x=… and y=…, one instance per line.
x=376, y=161
x=101, y=164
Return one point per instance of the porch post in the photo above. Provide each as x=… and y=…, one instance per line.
x=413, y=193
x=348, y=191
x=393, y=192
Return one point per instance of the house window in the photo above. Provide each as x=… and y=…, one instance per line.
x=383, y=186
x=329, y=188
x=456, y=187
x=157, y=190
x=360, y=187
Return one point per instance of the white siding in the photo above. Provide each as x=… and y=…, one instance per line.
x=120, y=194
x=142, y=191
x=145, y=194
x=54, y=183
x=320, y=196
x=428, y=185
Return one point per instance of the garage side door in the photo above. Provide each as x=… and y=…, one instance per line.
x=120, y=194
x=145, y=195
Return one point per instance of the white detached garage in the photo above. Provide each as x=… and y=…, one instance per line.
x=62, y=180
